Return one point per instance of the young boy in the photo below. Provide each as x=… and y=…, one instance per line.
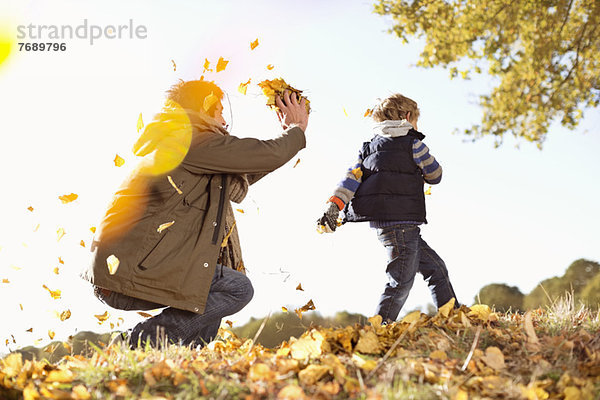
x=385, y=187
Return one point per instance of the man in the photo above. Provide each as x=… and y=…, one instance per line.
x=168, y=238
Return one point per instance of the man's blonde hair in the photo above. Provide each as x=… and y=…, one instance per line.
x=395, y=107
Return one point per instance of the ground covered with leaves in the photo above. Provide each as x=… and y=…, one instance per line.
x=464, y=353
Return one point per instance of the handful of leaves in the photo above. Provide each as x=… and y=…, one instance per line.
x=276, y=87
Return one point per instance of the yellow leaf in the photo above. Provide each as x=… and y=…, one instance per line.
x=93, y=229
x=67, y=198
x=368, y=343
x=438, y=355
x=51, y=334
x=444, y=310
x=80, y=392
x=270, y=67
x=284, y=309
x=60, y=260
x=36, y=228
x=311, y=345
x=312, y=374
x=368, y=113
x=243, y=88
x=461, y=395
x=239, y=210
x=221, y=64
x=480, y=311
x=145, y=314
x=174, y=65
x=412, y=317
x=345, y=112
x=299, y=287
x=376, y=321
x=228, y=322
x=119, y=161
x=30, y=208
x=173, y=184
x=65, y=315
x=297, y=162
x=60, y=232
x=363, y=363
x=140, y=123
x=56, y=270
x=60, y=376
x=5, y=280
x=55, y=294
x=428, y=191
x=254, y=44
x=357, y=172
x=21, y=306
x=164, y=226
x=210, y=101
x=102, y=317
x=113, y=264
x=82, y=243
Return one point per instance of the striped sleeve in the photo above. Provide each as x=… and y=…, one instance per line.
x=349, y=185
x=432, y=170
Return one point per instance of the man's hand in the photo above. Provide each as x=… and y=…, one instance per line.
x=329, y=221
x=290, y=111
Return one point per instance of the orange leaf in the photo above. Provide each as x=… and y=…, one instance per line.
x=51, y=334
x=299, y=287
x=308, y=306
x=56, y=270
x=254, y=44
x=206, y=65
x=67, y=198
x=5, y=280
x=55, y=294
x=368, y=113
x=145, y=314
x=30, y=208
x=239, y=210
x=82, y=243
x=270, y=67
x=244, y=87
x=221, y=64
x=174, y=65
x=297, y=162
x=93, y=229
x=60, y=260
x=65, y=315
x=102, y=317
x=228, y=322
x=29, y=330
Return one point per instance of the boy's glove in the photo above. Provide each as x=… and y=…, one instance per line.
x=329, y=221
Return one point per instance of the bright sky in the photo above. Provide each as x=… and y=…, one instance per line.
x=512, y=215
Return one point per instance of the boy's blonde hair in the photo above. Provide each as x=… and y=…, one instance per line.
x=395, y=107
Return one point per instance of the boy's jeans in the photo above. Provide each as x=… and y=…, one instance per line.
x=408, y=254
x=230, y=291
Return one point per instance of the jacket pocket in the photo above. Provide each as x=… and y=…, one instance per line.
x=163, y=262
x=197, y=197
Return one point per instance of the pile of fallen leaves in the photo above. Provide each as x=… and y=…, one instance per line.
x=457, y=354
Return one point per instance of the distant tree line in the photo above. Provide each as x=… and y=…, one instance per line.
x=581, y=280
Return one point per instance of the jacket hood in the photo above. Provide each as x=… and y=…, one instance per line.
x=392, y=128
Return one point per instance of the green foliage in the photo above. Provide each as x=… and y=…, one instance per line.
x=282, y=326
x=591, y=293
x=544, y=56
x=501, y=296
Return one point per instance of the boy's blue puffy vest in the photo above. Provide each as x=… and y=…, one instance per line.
x=392, y=183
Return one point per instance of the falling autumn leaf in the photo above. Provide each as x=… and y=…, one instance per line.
x=51, y=334
x=284, y=309
x=174, y=65
x=243, y=88
x=65, y=315
x=67, y=198
x=357, y=172
x=119, y=161
x=254, y=44
x=36, y=228
x=5, y=280
x=101, y=317
x=221, y=64
x=307, y=307
x=21, y=306
x=345, y=112
x=368, y=113
x=210, y=101
x=228, y=322
x=207, y=65
x=239, y=210
x=56, y=270
x=270, y=67
x=29, y=330
x=60, y=232
x=93, y=229
x=145, y=314
x=60, y=260
x=299, y=287
x=30, y=208
x=428, y=191
x=226, y=238
x=82, y=243
x=55, y=294
x=140, y=123
x=113, y=264
x=296, y=164
x=164, y=226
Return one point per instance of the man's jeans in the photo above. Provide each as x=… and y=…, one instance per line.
x=230, y=291
x=408, y=254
